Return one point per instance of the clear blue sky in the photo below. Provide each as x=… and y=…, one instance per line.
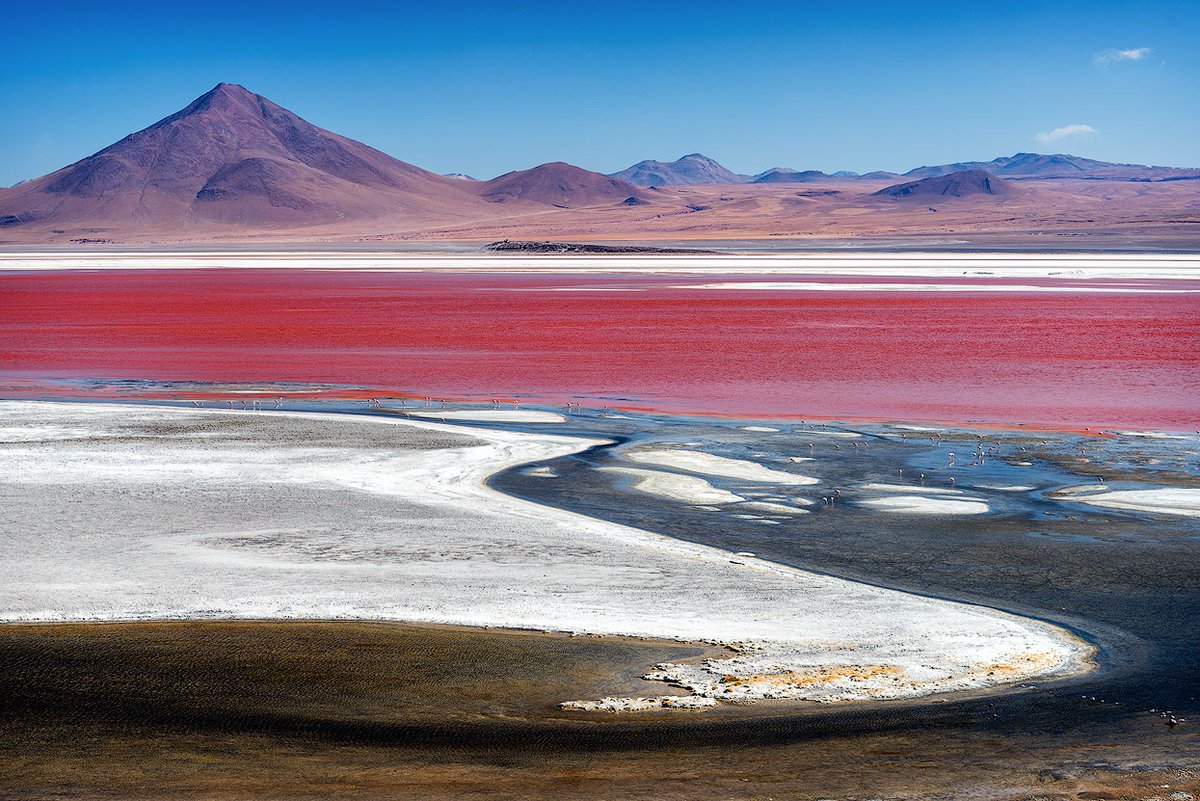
x=484, y=88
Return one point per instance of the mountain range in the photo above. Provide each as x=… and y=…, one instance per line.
x=234, y=157
x=1057, y=165
x=233, y=164
x=698, y=169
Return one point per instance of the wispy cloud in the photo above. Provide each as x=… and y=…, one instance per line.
x=1065, y=132
x=1114, y=56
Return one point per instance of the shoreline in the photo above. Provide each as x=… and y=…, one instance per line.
x=767, y=709
x=330, y=392
x=1075, y=658
x=1071, y=267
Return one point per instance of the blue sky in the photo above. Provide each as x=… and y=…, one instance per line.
x=484, y=88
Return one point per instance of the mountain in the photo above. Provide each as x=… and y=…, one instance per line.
x=559, y=184
x=965, y=183
x=693, y=168
x=462, y=176
x=232, y=157
x=786, y=175
x=1056, y=165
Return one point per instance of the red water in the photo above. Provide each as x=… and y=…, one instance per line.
x=1030, y=357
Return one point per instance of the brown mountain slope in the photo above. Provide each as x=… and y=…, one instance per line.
x=233, y=157
x=559, y=184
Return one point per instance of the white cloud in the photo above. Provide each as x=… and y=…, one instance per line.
x=1065, y=132
x=1112, y=55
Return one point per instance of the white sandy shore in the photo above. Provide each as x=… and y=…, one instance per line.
x=1080, y=267
x=921, y=505
x=909, y=488
x=773, y=508
x=712, y=465
x=487, y=415
x=1179, y=501
x=192, y=513
x=1004, y=487
x=1157, y=435
x=674, y=487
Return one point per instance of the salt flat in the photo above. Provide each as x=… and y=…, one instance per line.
x=134, y=512
x=1069, y=267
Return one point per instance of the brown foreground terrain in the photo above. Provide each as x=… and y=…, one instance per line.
x=368, y=710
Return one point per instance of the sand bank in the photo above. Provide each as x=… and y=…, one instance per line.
x=712, y=465
x=773, y=508
x=674, y=487
x=921, y=505
x=874, y=487
x=1181, y=501
x=211, y=514
x=834, y=434
x=488, y=415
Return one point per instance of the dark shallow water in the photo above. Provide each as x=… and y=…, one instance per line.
x=1129, y=583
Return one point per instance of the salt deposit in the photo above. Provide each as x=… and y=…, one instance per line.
x=910, y=488
x=205, y=514
x=675, y=487
x=773, y=508
x=713, y=465
x=1180, y=501
x=489, y=415
x=920, y=505
x=1073, y=268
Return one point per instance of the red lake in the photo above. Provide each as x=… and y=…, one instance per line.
x=1027, y=356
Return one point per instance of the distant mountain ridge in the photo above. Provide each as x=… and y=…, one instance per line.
x=694, y=168
x=1055, y=165
x=232, y=163
x=698, y=169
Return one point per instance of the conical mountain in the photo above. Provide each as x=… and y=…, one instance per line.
x=232, y=157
